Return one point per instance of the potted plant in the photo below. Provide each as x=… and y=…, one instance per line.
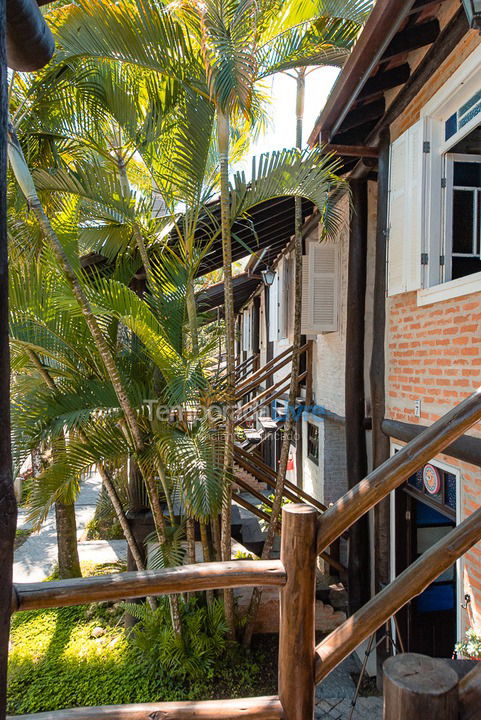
x=470, y=647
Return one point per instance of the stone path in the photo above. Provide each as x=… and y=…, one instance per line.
x=334, y=696
x=36, y=558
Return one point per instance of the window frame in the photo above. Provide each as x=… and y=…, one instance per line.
x=460, y=87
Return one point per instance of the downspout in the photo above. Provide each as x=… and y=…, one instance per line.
x=30, y=43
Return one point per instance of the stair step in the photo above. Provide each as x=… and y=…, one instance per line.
x=268, y=423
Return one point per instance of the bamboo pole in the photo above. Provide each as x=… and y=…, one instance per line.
x=261, y=708
x=186, y=578
x=413, y=581
x=297, y=612
x=394, y=471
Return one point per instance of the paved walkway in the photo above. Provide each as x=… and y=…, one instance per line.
x=334, y=696
x=36, y=558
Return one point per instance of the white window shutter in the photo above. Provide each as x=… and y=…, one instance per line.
x=273, y=310
x=407, y=209
x=324, y=276
x=306, y=297
x=320, y=296
x=397, y=215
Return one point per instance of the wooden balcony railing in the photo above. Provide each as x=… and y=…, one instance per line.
x=304, y=535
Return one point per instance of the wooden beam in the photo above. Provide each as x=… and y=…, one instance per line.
x=466, y=448
x=359, y=151
x=384, y=21
x=186, y=578
x=30, y=43
x=412, y=38
x=8, y=509
x=362, y=113
x=385, y=80
x=262, y=708
x=413, y=581
x=417, y=686
x=446, y=43
x=297, y=612
x=392, y=473
x=356, y=451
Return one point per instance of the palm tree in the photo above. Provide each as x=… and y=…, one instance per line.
x=222, y=50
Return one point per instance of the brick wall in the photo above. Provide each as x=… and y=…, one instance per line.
x=433, y=354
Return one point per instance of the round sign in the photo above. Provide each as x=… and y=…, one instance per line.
x=431, y=479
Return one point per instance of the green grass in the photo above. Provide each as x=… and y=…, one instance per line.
x=56, y=662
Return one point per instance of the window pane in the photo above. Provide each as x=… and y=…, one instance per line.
x=463, y=203
x=467, y=174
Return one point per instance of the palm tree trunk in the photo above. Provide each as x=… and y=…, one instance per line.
x=223, y=146
x=67, y=548
x=106, y=480
x=204, y=538
x=293, y=386
x=25, y=181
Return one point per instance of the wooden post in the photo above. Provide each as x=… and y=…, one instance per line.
x=7, y=498
x=417, y=686
x=297, y=612
x=380, y=441
x=356, y=451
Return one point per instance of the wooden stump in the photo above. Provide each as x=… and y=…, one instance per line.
x=417, y=686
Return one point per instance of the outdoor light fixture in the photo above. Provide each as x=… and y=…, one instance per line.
x=472, y=9
x=268, y=276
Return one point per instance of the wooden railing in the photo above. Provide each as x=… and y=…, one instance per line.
x=304, y=535
x=294, y=574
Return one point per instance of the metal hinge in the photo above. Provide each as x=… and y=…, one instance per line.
x=426, y=146
x=408, y=514
x=444, y=182
x=442, y=260
x=424, y=258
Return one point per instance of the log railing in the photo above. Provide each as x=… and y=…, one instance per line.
x=295, y=700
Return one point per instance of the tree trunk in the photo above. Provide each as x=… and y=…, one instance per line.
x=106, y=480
x=293, y=386
x=223, y=146
x=25, y=181
x=68, y=559
x=8, y=505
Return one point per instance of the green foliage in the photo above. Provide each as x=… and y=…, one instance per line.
x=268, y=509
x=193, y=655
x=470, y=647
x=56, y=662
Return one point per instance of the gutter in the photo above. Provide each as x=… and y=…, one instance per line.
x=30, y=43
x=382, y=24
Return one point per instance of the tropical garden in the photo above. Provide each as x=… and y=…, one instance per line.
x=123, y=155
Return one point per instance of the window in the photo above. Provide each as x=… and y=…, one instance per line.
x=313, y=442
x=462, y=215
